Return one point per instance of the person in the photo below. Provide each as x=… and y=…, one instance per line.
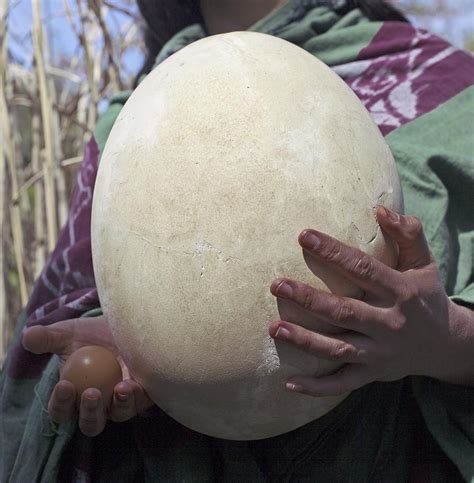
x=408, y=359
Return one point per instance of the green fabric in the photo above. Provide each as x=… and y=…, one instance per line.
x=448, y=412
x=27, y=430
x=106, y=121
x=434, y=156
x=42, y=457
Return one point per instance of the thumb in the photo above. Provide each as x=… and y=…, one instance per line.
x=407, y=232
x=41, y=339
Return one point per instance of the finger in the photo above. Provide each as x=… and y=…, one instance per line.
x=142, y=400
x=130, y=399
x=347, y=348
x=341, y=312
x=123, y=405
x=407, y=232
x=46, y=339
x=62, y=403
x=290, y=311
x=347, y=379
x=362, y=269
x=91, y=413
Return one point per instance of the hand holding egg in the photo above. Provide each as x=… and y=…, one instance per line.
x=91, y=386
x=93, y=367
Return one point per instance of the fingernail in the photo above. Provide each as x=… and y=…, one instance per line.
x=282, y=333
x=392, y=215
x=92, y=403
x=294, y=387
x=122, y=396
x=310, y=240
x=284, y=290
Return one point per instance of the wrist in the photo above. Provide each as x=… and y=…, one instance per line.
x=455, y=361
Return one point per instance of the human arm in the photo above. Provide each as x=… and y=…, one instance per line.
x=405, y=324
x=65, y=337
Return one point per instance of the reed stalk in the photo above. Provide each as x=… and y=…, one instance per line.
x=86, y=40
x=8, y=159
x=3, y=180
x=113, y=69
x=46, y=114
x=40, y=241
x=61, y=193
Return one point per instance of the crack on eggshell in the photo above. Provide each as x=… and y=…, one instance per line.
x=200, y=248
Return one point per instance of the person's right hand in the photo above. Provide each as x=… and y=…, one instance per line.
x=65, y=337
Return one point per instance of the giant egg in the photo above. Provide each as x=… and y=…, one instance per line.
x=219, y=159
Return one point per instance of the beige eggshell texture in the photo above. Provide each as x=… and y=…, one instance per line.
x=217, y=162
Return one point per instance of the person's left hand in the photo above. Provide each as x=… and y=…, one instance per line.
x=404, y=325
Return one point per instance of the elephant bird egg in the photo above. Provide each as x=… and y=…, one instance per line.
x=219, y=159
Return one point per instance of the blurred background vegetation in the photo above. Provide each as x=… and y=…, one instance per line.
x=59, y=62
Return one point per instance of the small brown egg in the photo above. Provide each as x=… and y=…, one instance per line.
x=93, y=366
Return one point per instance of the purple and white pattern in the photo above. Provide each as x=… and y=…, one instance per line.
x=406, y=72
x=66, y=286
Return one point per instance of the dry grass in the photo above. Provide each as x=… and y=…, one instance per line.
x=47, y=113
